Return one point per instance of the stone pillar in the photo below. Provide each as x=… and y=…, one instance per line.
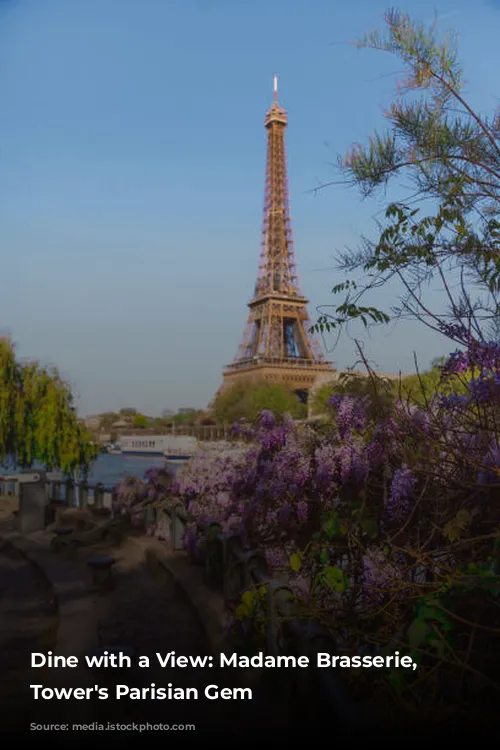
x=33, y=502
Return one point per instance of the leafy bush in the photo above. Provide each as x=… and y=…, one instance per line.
x=380, y=392
x=246, y=399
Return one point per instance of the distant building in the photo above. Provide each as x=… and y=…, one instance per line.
x=120, y=424
x=92, y=422
x=186, y=410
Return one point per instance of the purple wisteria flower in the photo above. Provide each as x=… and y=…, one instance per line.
x=351, y=413
x=381, y=579
x=352, y=461
x=490, y=472
x=267, y=419
x=289, y=472
x=272, y=516
x=285, y=513
x=273, y=440
x=326, y=465
x=129, y=491
x=456, y=331
x=457, y=363
x=454, y=401
x=485, y=387
x=403, y=484
x=275, y=558
x=302, y=511
x=481, y=356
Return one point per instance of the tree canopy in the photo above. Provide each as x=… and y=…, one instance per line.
x=141, y=421
x=38, y=420
x=447, y=229
x=246, y=399
x=378, y=392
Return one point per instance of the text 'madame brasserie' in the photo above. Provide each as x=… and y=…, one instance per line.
x=260, y=660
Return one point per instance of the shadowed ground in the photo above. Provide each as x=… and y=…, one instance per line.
x=28, y=623
x=144, y=610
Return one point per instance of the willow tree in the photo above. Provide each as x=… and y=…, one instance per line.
x=446, y=230
x=38, y=420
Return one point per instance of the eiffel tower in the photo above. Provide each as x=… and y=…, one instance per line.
x=277, y=345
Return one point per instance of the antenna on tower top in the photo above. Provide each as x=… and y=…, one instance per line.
x=275, y=87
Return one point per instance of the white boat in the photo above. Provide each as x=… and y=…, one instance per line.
x=173, y=448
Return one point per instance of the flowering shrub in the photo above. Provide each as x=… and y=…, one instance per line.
x=134, y=499
x=388, y=530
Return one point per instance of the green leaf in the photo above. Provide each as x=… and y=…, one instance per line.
x=415, y=657
x=242, y=612
x=295, y=563
x=335, y=578
x=396, y=679
x=429, y=612
x=369, y=526
x=248, y=598
x=417, y=633
x=331, y=527
x=439, y=646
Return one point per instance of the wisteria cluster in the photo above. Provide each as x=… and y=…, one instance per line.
x=383, y=580
x=134, y=498
x=280, y=480
x=402, y=486
x=365, y=516
x=477, y=356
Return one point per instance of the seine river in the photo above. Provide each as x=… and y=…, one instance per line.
x=110, y=469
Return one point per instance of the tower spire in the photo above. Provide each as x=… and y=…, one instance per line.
x=277, y=344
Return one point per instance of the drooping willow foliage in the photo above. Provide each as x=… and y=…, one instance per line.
x=38, y=420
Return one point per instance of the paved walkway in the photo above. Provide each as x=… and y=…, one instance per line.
x=144, y=610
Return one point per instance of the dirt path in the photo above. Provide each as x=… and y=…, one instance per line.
x=147, y=612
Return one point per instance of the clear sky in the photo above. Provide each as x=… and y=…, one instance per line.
x=132, y=153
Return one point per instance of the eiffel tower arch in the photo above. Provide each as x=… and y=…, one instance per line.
x=277, y=345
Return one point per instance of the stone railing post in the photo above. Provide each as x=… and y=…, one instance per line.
x=83, y=494
x=99, y=496
x=70, y=492
x=56, y=491
x=33, y=501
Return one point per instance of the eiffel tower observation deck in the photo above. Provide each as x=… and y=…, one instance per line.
x=277, y=345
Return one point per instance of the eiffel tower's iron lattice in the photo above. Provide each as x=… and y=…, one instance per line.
x=277, y=344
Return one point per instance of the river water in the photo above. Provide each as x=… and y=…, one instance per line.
x=110, y=469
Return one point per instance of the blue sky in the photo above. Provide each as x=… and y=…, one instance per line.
x=132, y=153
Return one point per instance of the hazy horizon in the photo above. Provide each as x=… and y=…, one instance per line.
x=132, y=178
